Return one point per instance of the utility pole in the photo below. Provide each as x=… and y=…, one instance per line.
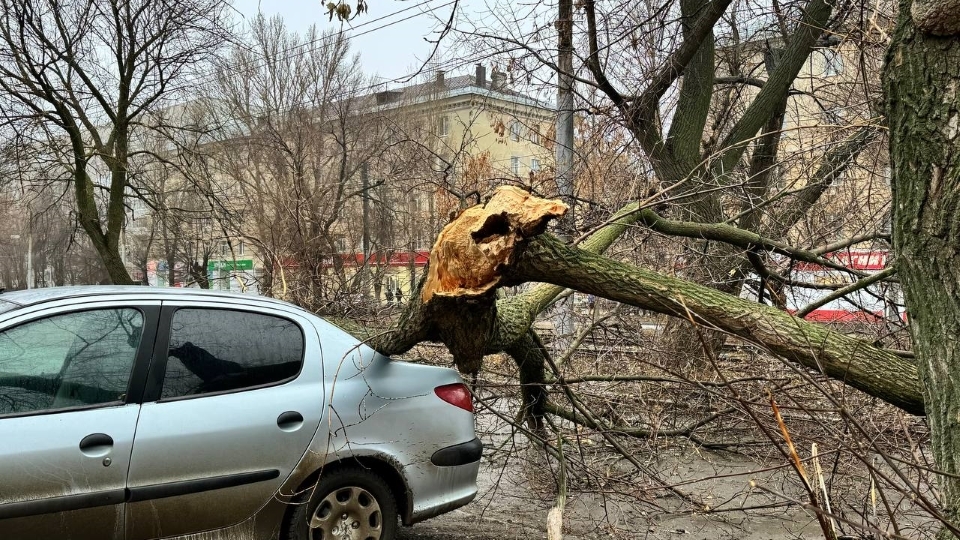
x=31, y=281
x=564, y=146
x=564, y=151
x=412, y=262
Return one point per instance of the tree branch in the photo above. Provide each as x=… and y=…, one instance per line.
x=847, y=242
x=857, y=363
x=678, y=61
x=778, y=84
x=696, y=91
x=728, y=234
x=840, y=293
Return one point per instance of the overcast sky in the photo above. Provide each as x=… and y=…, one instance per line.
x=389, y=46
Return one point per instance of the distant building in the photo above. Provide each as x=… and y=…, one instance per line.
x=440, y=145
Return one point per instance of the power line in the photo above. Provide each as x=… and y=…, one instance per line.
x=315, y=44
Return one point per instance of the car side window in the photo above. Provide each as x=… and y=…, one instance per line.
x=69, y=360
x=218, y=350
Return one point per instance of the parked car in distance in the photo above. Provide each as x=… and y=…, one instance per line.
x=133, y=413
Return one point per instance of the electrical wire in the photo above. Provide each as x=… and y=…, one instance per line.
x=315, y=44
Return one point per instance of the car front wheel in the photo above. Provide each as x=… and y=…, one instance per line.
x=347, y=504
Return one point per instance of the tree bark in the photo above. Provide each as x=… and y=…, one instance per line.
x=106, y=242
x=921, y=81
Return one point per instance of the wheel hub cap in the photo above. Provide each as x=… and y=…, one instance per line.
x=349, y=513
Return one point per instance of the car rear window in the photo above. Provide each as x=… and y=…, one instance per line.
x=218, y=350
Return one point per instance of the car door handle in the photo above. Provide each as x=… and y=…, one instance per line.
x=290, y=421
x=96, y=445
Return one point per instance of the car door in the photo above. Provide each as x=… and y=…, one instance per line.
x=234, y=398
x=68, y=410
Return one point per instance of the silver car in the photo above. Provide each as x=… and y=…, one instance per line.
x=136, y=413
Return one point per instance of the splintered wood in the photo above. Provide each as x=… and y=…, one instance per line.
x=471, y=250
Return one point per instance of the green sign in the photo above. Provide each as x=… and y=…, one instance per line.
x=242, y=264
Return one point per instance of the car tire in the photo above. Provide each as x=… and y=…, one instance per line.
x=347, y=503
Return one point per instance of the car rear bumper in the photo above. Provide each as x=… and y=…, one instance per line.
x=434, y=511
x=458, y=454
x=437, y=489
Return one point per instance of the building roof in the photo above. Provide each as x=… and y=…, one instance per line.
x=446, y=87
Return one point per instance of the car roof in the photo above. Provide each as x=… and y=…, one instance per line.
x=29, y=297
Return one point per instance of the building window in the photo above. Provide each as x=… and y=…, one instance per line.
x=535, y=165
x=443, y=126
x=240, y=247
x=420, y=239
x=534, y=136
x=789, y=120
x=515, y=129
x=137, y=208
x=515, y=165
x=832, y=63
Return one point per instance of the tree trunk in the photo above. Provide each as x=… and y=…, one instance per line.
x=106, y=244
x=199, y=274
x=921, y=80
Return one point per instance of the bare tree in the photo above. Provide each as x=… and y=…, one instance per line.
x=76, y=80
x=298, y=128
x=39, y=239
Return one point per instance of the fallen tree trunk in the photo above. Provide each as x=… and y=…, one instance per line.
x=877, y=372
x=502, y=243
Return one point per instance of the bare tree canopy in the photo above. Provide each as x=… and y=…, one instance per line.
x=78, y=81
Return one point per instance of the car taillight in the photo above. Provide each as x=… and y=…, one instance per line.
x=455, y=394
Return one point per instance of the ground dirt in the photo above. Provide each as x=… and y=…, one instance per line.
x=510, y=507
